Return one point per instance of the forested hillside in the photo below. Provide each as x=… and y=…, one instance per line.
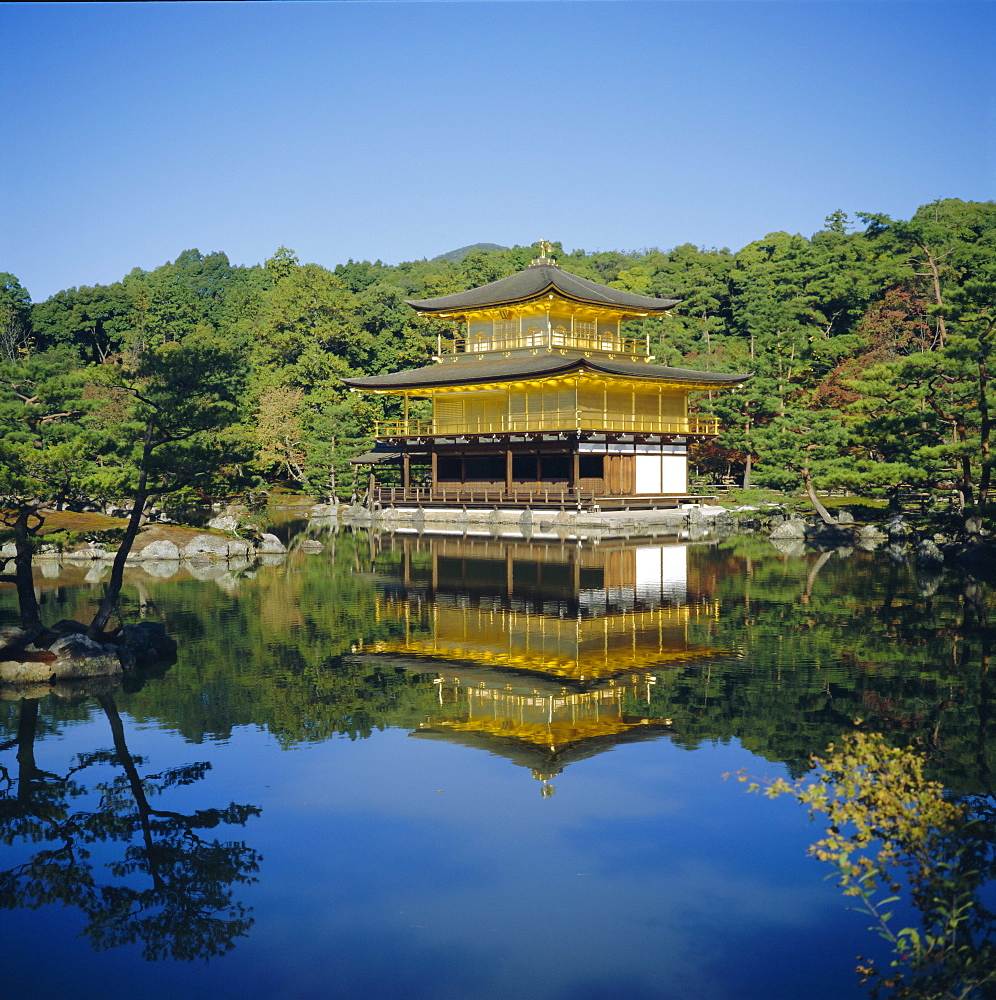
x=869, y=342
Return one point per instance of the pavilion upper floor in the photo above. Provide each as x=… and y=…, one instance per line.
x=541, y=307
x=571, y=403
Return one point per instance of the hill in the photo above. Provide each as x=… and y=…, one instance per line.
x=458, y=255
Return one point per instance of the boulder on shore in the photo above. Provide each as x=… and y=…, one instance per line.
x=161, y=550
x=65, y=653
x=71, y=656
x=270, y=544
x=928, y=555
x=795, y=528
x=205, y=547
x=146, y=641
x=224, y=522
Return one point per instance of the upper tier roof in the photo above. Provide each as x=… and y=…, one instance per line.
x=536, y=281
x=539, y=366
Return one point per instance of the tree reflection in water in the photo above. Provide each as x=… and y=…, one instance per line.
x=170, y=889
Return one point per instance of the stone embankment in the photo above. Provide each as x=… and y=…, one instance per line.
x=162, y=552
x=790, y=532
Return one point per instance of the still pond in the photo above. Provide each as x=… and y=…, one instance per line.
x=471, y=767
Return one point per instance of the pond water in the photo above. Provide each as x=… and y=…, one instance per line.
x=473, y=767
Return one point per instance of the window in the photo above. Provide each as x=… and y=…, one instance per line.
x=591, y=466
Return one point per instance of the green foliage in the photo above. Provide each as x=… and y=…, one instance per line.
x=15, y=322
x=754, y=496
x=868, y=342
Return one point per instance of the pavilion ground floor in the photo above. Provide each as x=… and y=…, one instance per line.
x=542, y=471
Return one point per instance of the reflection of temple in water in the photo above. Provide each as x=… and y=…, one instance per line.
x=547, y=651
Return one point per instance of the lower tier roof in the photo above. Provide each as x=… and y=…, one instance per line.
x=539, y=366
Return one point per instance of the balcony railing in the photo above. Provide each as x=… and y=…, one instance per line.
x=549, y=423
x=481, y=343
x=552, y=496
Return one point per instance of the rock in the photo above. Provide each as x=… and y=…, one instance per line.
x=77, y=656
x=162, y=550
x=87, y=553
x=897, y=529
x=8, y=550
x=794, y=528
x=845, y=517
x=224, y=522
x=312, y=546
x=357, y=514
x=928, y=555
x=146, y=641
x=206, y=547
x=238, y=549
x=270, y=544
x=69, y=626
x=9, y=634
x=830, y=536
x=50, y=569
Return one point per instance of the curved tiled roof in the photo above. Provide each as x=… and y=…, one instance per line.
x=539, y=366
x=538, y=280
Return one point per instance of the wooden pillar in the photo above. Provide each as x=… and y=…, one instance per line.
x=508, y=470
x=575, y=469
x=434, y=459
x=406, y=467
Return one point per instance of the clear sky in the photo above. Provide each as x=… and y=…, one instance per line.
x=400, y=130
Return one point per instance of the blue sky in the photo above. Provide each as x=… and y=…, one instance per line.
x=400, y=130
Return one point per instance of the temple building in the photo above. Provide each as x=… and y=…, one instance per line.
x=540, y=400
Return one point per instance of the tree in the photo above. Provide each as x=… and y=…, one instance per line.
x=932, y=411
x=45, y=453
x=93, y=323
x=15, y=318
x=179, y=430
x=307, y=337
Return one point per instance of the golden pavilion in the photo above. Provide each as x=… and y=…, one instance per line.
x=539, y=400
